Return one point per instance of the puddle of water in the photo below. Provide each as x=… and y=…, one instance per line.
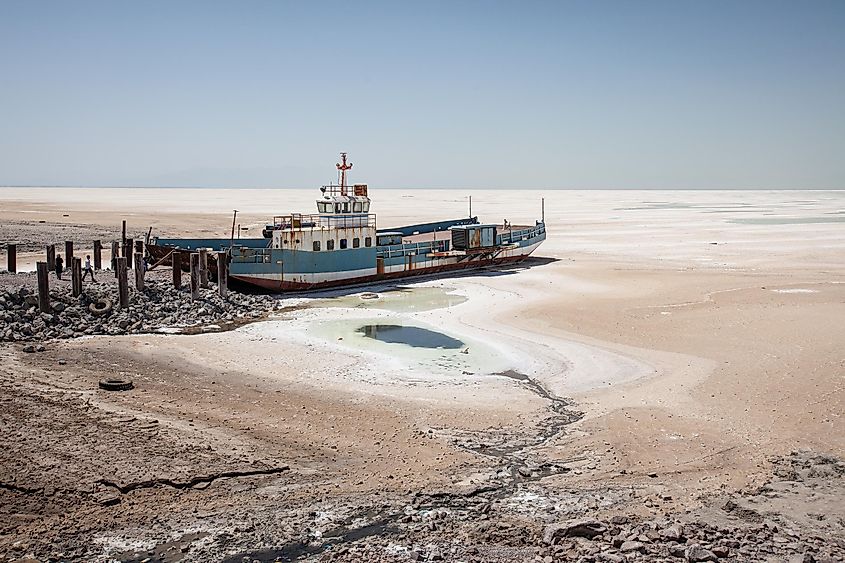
x=681, y=205
x=168, y=552
x=786, y=220
x=397, y=300
x=410, y=335
x=796, y=290
x=414, y=345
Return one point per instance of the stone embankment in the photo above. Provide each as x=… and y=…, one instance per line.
x=159, y=307
x=795, y=517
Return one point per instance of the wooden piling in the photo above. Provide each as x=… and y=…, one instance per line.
x=122, y=282
x=195, y=276
x=76, y=276
x=176, y=262
x=68, y=253
x=123, y=239
x=43, y=269
x=127, y=251
x=139, y=271
x=203, y=268
x=139, y=246
x=51, y=257
x=115, y=254
x=98, y=255
x=222, y=274
x=12, y=258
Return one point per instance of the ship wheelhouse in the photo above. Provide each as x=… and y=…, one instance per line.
x=343, y=220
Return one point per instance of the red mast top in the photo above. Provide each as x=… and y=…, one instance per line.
x=343, y=168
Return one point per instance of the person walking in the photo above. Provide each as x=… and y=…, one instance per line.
x=60, y=265
x=88, y=269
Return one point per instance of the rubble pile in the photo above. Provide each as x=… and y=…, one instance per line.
x=622, y=540
x=97, y=311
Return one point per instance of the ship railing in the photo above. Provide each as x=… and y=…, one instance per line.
x=400, y=250
x=243, y=255
x=301, y=221
x=357, y=190
x=521, y=234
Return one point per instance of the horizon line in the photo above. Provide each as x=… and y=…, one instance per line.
x=101, y=186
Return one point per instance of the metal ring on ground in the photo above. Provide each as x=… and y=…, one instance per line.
x=100, y=307
x=116, y=384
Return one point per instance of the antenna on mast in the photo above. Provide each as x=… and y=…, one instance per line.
x=343, y=168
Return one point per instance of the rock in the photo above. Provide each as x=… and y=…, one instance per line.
x=677, y=550
x=618, y=520
x=107, y=499
x=721, y=551
x=29, y=349
x=578, y=528
x=629, y=546
x=58, y=306
x=696, y=553
x=675, y=532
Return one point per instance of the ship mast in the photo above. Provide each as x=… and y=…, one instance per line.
x=343, y=168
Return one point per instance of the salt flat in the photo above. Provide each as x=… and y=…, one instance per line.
x=699, y=332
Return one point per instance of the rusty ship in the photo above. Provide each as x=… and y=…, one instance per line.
x=342, y=245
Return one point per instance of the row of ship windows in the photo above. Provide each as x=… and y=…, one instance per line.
x=344, y=243
x=356, y=207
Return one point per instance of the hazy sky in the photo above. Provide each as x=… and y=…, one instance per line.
x=592, y=94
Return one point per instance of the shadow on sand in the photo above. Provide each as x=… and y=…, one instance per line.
x=400, y=285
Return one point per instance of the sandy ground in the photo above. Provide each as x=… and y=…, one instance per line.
x=687, y=338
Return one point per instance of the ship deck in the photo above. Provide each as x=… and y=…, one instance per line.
x=447, y=235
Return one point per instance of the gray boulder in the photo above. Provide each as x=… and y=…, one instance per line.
x=696, y=553
x=576, y=528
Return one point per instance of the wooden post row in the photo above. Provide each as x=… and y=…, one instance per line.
x=222, y=274
x=176, y=262
x=76, y=276
x=115, y=254
x=98, y=255
x=12, y=258
x=43, y=286
x=51, y=257
x=122, y=283
x=127, y=252
x=68, y=253
x=203, y=268
x=195, y=276
x=139, y=271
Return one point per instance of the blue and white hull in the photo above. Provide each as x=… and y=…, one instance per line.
x=340, y=245
x=253, y=263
